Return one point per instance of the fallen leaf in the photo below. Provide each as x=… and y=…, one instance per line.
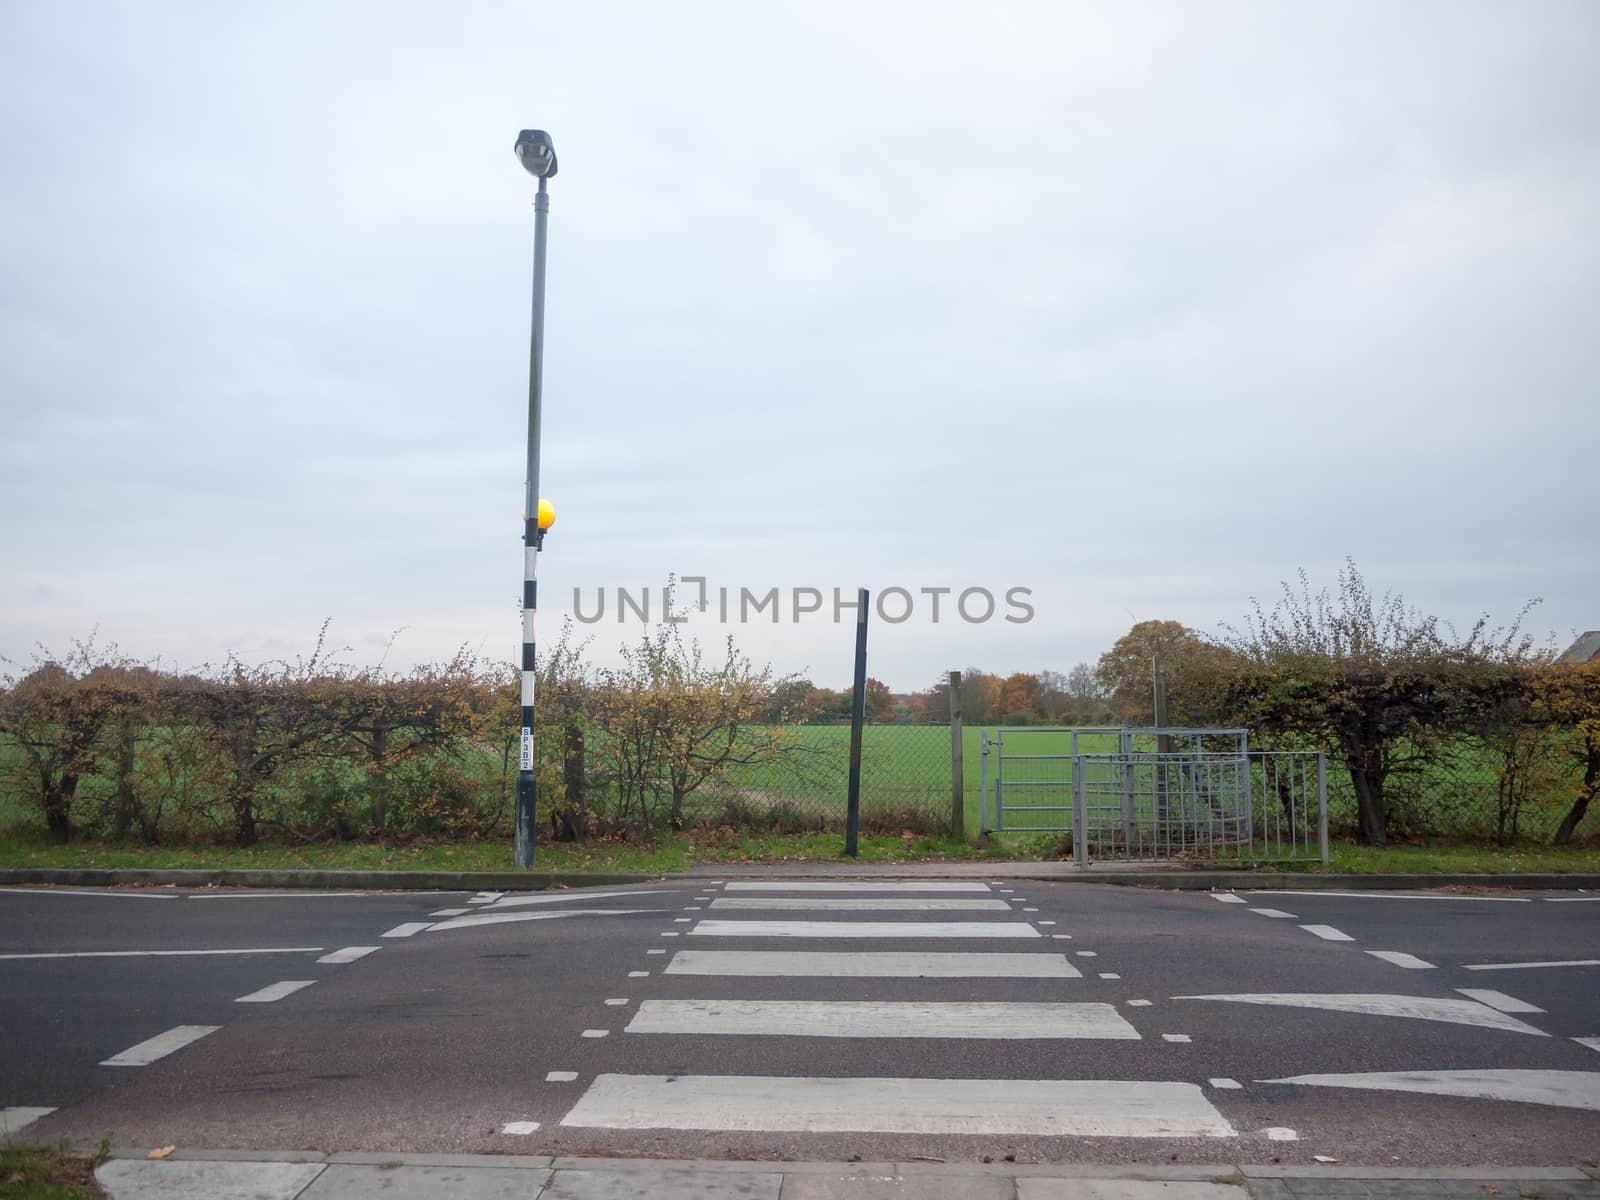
x=161, y=1153
x=1323, y=1158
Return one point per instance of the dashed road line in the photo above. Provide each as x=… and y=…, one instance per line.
x=275, y=991
x=163, y=1044
x=1401, y=959
x=166, y=953
x=596, y=1033
x=1274, y=912
x=1520, y=966
x=1228, y=898
x=1223, y=1083
x=560, y=1076
x=348, y=955
x=50, y=891
x=1500, y=1001
x=1328, y=933
x=407, y=930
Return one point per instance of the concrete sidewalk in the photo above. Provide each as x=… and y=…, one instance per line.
x=243, y=1175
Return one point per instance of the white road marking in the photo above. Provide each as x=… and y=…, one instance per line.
x=874, y=966
x=163, y=1044
x=485, y=897
x=48, y=891
x=568, y=897
x=1088, y=954
x=1328, y=933
x=495, y=917
x=1562, y=1089
x=1060, y=937
x=1109, y=975
x=1592, y=1042
x=596, y=1033
x=1500, y=1001
x=18, y=1118
x=860, y=904
x=1421, y=1008
x=275, y=991
x=1280, y=1133
x=655, y=951
x=673, y=933
x=682, y=920
x=1224, y=1083
x=349, y=954
x=985, y=930
x=995, y=1107
x=1030, y=910
x=451, y=912
x=882, y=1019
x=1046, y=922
x=1518, y=966
x=1138, y=1004
x=406, y=930
x=692, y=907
x=560, y=1076
x=1353, y=895
x=858, y=886
x=1273, y=912
x=1175, y=1037
x=617, y=1000
x=520, y=1128
x=1571, y=899
x=1228, y=898
x=165, y=953
x=1401, y=959
x=638, y=974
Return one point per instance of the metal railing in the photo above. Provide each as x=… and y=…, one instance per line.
x=1154, y=793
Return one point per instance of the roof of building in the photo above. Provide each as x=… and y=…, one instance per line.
x=1585, y=649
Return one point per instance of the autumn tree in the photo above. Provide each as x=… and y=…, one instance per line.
x=60, y=717
x=1191, y=665
x=1376, y=682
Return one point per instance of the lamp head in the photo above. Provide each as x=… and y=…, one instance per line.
x=537, y=153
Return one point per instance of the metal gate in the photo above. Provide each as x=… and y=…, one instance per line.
x=1155, y=793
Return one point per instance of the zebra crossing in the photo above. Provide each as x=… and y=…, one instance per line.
x=832, y=994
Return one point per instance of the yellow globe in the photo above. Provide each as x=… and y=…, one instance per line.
x=547, y=514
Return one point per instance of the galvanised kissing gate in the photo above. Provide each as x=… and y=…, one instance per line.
x=1155, y=793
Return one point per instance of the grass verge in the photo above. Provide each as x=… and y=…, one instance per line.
x=676, y=852
x=42, y=1173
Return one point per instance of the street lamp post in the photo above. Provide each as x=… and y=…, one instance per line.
x=537, y=153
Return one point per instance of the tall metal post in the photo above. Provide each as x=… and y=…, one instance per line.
x=958, y=771
x=532, y=539
x=858, y=714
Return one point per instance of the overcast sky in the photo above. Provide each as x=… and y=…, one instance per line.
x=1142, y=307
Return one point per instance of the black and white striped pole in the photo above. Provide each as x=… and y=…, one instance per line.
x=537, y=153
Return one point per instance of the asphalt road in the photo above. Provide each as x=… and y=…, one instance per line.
x=1162, y=1034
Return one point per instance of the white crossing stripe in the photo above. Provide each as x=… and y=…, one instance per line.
x=882, y=1019
x=1500, y=1001
x=1223, y=1083
x=1328, y=933
x=520, y=1128
x=872, y=966
x=1422, y=1008
x=1517, y=966
x=451, y=912
x=17, y=1118
x=1395, y=896
x=1401, y=959
x=275, y=991
x=163, y=1044
x=858, y=886
x=1273, y=912
x=993, y=1107
x=861, y=904
x=1592, y=1042
x=987, y=930
x=1228, y=898
x=406, y=930
x=349, y=954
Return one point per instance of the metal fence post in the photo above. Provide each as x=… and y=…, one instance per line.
x=1322, y=806
x=958, y=795
x=1080, y=814
x=983, y=779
